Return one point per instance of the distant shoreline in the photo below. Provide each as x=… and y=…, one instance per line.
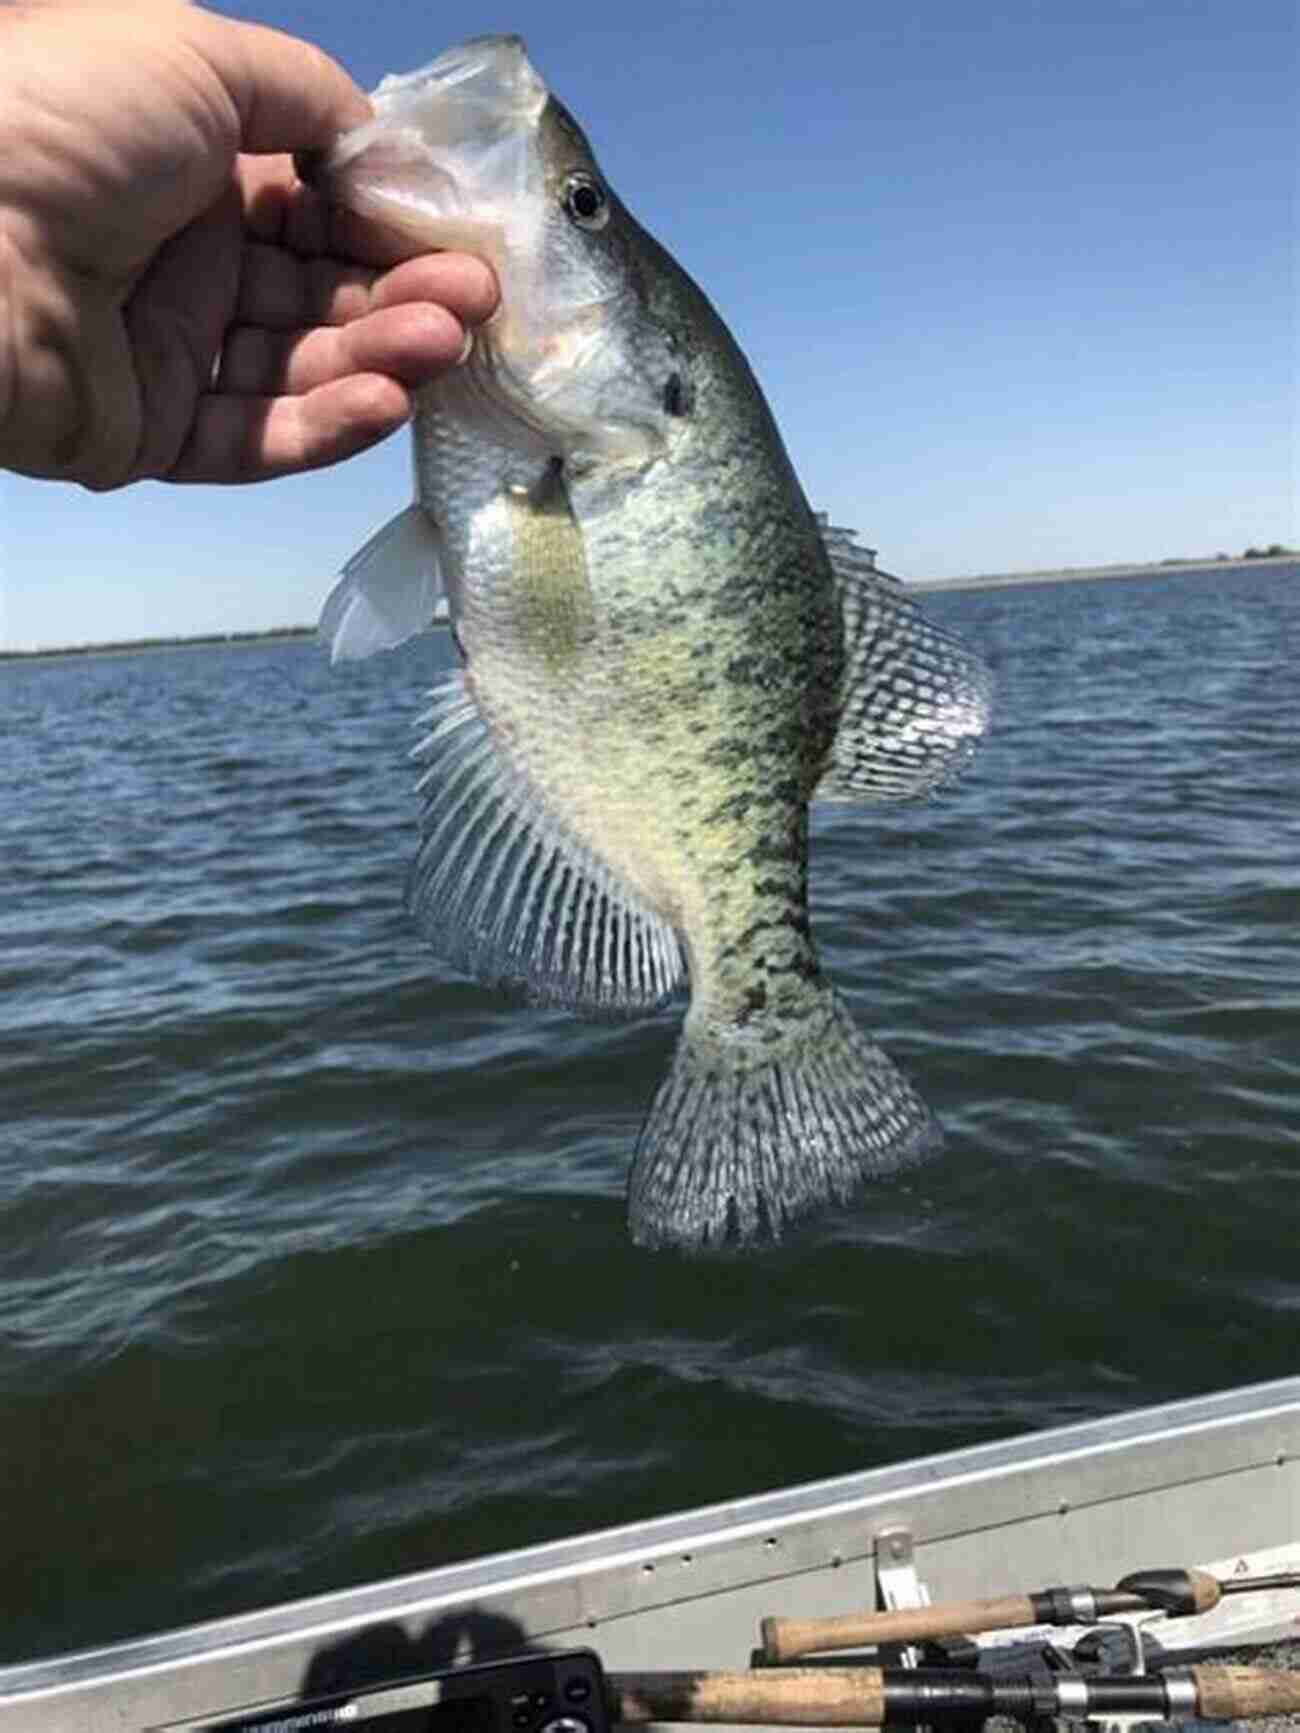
x=1088, y=574
x=133, y=646
x=985, y=581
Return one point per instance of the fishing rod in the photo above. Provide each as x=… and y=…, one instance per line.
x=872, y=1696
x=1177, y=1593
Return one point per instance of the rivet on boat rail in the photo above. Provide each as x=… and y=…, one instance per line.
x=896, y=1542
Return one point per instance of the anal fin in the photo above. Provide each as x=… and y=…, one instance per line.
x=503, y=890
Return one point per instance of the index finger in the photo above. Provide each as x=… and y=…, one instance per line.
x=282, y=292
x=282, y=206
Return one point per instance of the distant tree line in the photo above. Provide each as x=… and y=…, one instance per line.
x=1273, y=551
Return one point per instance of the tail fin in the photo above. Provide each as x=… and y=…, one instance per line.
x=735, y=1149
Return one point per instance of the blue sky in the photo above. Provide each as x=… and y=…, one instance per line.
x=1019, y=280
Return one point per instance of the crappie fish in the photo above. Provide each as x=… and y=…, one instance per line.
x=662, y=663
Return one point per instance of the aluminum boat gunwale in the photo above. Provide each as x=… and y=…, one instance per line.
x=1210, y=1478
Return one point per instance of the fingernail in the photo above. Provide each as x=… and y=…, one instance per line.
x=466, y=349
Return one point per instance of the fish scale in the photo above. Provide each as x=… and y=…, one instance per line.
x=664, y=663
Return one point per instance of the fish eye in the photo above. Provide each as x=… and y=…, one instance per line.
x=586, y=202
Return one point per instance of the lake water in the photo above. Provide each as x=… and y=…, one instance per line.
x=312, y=1255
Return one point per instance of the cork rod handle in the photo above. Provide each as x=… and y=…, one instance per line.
x=798, y=1697
x=1232, y=1693
x=785, y=1638
x=855, y=1696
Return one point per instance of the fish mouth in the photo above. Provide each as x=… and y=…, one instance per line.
x=372, y=182
x=448, y=152
x=456, y=158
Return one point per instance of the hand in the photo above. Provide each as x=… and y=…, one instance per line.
x=173, y=303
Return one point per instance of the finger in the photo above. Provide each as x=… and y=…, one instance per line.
x=286, y=293
x=279, y=207
x=412, y=343
x=460, y=282
x=289, y=94
x=243, y=439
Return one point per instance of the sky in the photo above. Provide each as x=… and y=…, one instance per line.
x=1019, y=281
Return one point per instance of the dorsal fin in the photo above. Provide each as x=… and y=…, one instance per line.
x=915, y=700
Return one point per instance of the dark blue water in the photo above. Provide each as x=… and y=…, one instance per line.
x=312, y=1257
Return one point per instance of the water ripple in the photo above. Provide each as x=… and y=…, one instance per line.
x=312, y=1263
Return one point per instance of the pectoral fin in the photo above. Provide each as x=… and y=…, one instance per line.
x=915, y=700
x=388, y=589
